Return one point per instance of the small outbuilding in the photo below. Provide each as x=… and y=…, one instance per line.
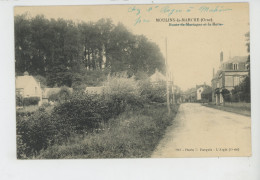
x=27, y=86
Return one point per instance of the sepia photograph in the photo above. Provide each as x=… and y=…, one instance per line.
x=132, y=81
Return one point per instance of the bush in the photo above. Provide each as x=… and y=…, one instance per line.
x=80, y=113
x=24, y=114
x=121, y=85
x=77, y=113
x=34, y=133
x=133, y=134
x=31, y=101
x=153, y=92
x=63, y=95
x=19, y=100
x=242, y=91
x=124, y=93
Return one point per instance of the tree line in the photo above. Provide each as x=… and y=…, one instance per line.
x=64, y=52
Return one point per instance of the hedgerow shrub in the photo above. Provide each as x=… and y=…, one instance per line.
x=81, y=112
x=23, y=114
x=77, y=113
x=34, y=133
x=153, y=92
x=19, y=100
x=133, y=134
x=63, y=95
x=124, y=93
x=27, y=101
x=122, y=85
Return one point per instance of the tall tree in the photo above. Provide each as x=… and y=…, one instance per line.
x=22, y=30
x=55, y=49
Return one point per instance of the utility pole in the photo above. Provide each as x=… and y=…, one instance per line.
x=167, y=79
x=173, y=97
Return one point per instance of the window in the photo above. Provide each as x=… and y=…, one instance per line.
x=235, y=65
x=236, y=80
x=228, y=80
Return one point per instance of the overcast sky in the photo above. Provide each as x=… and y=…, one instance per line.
x=192, y=51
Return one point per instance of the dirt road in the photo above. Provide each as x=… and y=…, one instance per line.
x=199, y=131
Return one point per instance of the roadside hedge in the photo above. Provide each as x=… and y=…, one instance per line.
x=27, y=101
x=34, y=133
x=79, y=114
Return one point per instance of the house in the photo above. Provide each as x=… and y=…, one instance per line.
x=230, y=74
x=27, y=86
x=202, y=92
x=199, y=92
x=157, y=78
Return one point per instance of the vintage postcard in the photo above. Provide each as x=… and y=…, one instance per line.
x=132, y=81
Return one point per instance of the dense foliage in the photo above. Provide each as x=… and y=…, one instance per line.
x=133, y=134
x=34, y=132
x=76, y=113
x=242, y=91
x=27, y=101
x=61, y=96
x=62, y=52
x=153, y=92
x=18, y=99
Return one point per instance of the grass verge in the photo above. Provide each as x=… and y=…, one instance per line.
x=238, y=108
x=133, y=134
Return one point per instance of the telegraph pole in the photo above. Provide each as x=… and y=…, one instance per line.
x=167, y=79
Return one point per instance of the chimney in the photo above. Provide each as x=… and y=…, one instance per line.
x=26, y=73
x=221, y=57
x=213, y=72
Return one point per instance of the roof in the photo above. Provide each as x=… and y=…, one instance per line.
x=21, y=82
x=157, y=76
x=237, y=59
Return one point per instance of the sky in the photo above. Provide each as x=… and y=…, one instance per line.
x=192, y=51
